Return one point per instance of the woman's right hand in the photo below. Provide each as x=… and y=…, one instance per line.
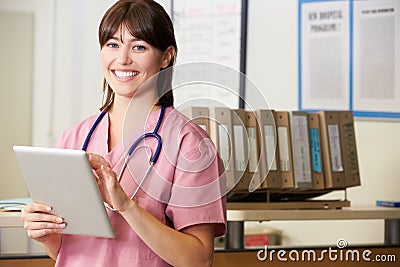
x=40, y=223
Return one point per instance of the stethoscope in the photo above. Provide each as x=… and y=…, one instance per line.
x=132, y=148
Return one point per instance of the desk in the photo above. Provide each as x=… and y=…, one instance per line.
x=240, y=258
x=26, y=260
x=10, y=220
x=13, y=238
x=238, y=213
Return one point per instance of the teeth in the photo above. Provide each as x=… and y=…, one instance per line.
x=125, y=74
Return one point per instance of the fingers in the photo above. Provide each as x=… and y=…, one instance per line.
x=36, y=207
x=39, y=222
x=107, y=181
x=112, y=192
x=40, y=217
x=107, y=174
x=44, y=226
x=96, y=161
x=101, y=167
x=37, y=234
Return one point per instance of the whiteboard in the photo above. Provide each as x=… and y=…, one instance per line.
x=211, y=31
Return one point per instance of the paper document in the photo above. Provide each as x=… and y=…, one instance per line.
x=14, y=204
x=377, y=55
x=325, y=55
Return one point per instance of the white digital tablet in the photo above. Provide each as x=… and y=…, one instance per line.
x=63, y=179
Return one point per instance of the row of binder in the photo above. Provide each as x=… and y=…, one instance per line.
x=283, y=150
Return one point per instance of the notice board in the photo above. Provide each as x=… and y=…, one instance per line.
x=349, y=56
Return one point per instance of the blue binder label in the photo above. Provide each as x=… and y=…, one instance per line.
x=315, y=150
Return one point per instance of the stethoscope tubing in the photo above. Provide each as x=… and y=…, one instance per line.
x=94, y=126
x=131, y=149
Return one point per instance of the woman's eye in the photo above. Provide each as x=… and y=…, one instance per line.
x=139, y=48
x=112, y=45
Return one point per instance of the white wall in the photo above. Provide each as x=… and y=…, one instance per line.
x=16, y=78
x=75, y=79
x=77, y=71
x=272, y=52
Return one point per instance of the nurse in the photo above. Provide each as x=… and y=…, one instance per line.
x=165, y=223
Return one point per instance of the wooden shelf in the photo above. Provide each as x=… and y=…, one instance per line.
x=290, y=205
x=251, y=212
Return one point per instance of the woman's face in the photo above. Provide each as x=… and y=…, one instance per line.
x=128, y=62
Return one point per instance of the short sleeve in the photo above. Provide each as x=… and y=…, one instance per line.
x=198, y=191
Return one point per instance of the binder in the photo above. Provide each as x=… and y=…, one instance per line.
x=349, y=149
x=284, y=148
x=253, y=172
x=300, y=149
x=221, y=134
x=331, y=150
x=315, y=151
x=198, y=115
x=240, y=147
x=268, y=147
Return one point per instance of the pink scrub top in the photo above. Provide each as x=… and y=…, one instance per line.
x=185, y=188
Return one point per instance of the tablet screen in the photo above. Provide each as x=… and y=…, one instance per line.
x=63, y=179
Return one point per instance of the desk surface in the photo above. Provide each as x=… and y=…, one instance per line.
x=12, y=219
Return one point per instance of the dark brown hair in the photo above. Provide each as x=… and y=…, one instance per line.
x=148, y=21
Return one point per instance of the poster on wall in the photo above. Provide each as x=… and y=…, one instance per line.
x=325, y=55
x=376, y=56
x=349, y=56
x=209, y=31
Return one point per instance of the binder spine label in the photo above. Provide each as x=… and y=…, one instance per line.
x=334, y=147
x=253, y=156
x=238, y=136
x=284, y=156
x=315, y=150
x=351, y=152
x=270, y=146
x=301, y=149
x=223, y=140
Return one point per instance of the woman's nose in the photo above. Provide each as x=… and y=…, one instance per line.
x=124, y=58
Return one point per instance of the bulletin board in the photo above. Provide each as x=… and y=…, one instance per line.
x=349, y=56
x=212, y=31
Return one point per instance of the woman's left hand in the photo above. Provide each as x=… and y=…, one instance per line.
x=108, y=184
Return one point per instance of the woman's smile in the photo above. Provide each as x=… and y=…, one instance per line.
x=124, y=75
